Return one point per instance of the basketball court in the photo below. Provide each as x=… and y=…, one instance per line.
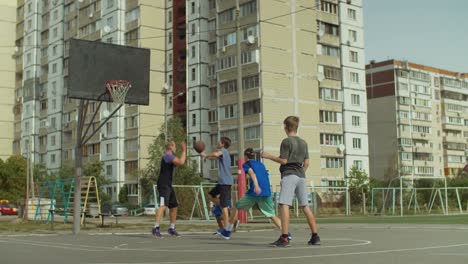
x=341, y=243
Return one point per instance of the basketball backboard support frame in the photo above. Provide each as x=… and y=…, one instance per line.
x=91, y=66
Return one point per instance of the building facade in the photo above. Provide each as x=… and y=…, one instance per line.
x=45, y=118
x=7, y=76
x=300, y=58
x=314, y=70
x=418, y=120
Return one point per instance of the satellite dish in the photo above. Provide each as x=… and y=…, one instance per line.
x=320, y=76
x=107, y=29
x=105, y=113
x=341, y=147
x=16, y=49
x=251, y=39
x=166, y=86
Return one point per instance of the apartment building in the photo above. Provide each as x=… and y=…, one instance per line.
x=45, y=118
x=297, y=58
x=418, y=120
x=7, y=76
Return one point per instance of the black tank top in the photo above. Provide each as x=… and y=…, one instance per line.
x=165, y=173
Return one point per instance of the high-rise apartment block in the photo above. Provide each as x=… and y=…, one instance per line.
x=7, y=75
x=302, y=58
x=298, y=58
x=418, y=120
x=45, y=118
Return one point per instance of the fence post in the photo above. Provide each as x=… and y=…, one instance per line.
x=207, y=215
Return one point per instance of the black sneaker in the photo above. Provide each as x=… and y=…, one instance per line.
x=173, y=232
x=235, y=226
x=314, y=241
x=281, y=242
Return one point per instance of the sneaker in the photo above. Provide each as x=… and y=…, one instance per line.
x=289, y=236
x=226, y=234
x=218, y=232
x=281, y=242
x=314, y=241
x=235, y=226
x=156, y=232
x=173, y=232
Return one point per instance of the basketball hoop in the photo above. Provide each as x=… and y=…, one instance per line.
x=118, y=90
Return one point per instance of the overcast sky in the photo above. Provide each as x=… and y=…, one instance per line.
x=429, y=32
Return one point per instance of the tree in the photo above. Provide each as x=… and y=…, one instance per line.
x=13, y=179
x=123, y=194
x=184, y=175
x=359, y=185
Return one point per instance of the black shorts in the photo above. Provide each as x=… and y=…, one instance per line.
x=167, y=196
x=224, y=192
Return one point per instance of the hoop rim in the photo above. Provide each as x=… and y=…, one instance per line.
x=117, y=81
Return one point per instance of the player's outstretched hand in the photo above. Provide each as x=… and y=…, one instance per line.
x=265, y=155
x=183, y=145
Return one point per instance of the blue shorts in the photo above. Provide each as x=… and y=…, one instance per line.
x=217, y=210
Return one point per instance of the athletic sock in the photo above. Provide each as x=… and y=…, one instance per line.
x=229, y=227
x=284, y=236
x=172, y=226
x=156, y=225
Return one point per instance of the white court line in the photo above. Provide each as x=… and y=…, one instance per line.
x=177, y=249
x=303, y=257
x=450, y=254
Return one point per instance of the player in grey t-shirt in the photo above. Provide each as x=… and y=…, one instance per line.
x=222, y=190
x=294, y=161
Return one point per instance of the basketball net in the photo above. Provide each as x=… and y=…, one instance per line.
x=118, y=90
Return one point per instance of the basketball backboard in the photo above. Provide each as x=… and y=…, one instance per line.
x=92, y=64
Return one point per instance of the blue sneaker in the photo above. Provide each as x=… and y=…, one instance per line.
x=156, y=232
x=218, y=232
x=173, y=232
x=226, y=234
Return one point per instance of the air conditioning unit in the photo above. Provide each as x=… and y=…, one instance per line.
x=348, y=43
x=223, y=49
x=458, y=114
x=348, y=2
x=91, y=15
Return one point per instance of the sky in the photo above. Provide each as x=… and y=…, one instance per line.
x=428, y=32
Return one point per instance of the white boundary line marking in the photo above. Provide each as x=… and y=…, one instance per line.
x=304, y=257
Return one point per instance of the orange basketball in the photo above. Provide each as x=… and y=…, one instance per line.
x=199, y=146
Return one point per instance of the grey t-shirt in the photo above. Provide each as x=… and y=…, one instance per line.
x=295, y=150
x=225, y=175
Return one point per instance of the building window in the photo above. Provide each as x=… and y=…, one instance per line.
x=331, y=94
x=169, y=37
x=351, y=14
x=356, y=121
x=169, y=16
x=252, y=107
x=109, y=128
x=354, y=76
x=330, y=51
x=332, y=73
x=356, y=143
x=212, y=116
x=226, y=16
x=212, y=48
x=194, y=97
x=248, y=8
x=194, y=119
x=110, y=3
x=192, y=8
x=331, y=163
x=328, y=7
x=193, y=29
x=52, y=158
x=330, y=117
x=109, y=170
x=211, y=4
x=251, y=133
x=357, y=164
x=193, y=51
x=331, y=139
x=109, y=149
x=353, y=56
x=355, y=100
x=352, y=35
x=193, y=74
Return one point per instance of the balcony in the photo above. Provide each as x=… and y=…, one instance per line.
x=454, y=139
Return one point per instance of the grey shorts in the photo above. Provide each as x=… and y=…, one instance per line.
x=293, y=185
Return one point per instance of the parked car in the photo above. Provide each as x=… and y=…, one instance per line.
x=150, y=209
x=8, y=209
x=118, y=209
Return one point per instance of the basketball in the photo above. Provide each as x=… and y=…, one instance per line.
x=199, y=146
